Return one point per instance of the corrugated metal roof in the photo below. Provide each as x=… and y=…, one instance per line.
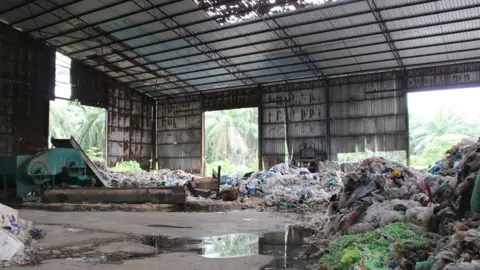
x=341, y=37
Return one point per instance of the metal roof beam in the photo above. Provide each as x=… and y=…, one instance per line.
x=175, y=81
x=69, y=31
x=26, y=3
x=309, y=34
x=305, y=44
x=311, y=52
x=138, y=25
x=290, y=26
x=315, y=61
x=45, y=11
x=224, y=27
x=194, y=40
x=339, y=66
x=291, y=44
x=381, y=23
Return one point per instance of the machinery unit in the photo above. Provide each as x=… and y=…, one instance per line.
x=28, y=176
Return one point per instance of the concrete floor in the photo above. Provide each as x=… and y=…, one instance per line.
x=104, y=231
x=194, y=224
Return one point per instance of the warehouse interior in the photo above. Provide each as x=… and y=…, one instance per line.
x=331, y=74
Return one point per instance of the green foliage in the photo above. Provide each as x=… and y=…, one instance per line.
x=130, y=165
x=94, y=153
x=231, y=140
x=430, y=139
x=86, y=124
x=374, y=250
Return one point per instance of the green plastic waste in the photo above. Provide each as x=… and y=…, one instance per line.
x=475, y=199
x=373, y=250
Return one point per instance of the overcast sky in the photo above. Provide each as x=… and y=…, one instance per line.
x=464, y=102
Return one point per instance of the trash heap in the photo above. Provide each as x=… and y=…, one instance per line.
x=17, y=238
x=389, y=216
x=142, y=178
x=288, y=186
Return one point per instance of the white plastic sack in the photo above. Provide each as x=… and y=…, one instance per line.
x=9, y=245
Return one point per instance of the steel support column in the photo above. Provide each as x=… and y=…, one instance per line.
x=407, y=124
x=327, y=121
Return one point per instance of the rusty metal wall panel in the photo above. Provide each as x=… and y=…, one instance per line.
x=367, y=112
x=89, y=86
x=27, y=78
x=444, y=77
x=130, y=119
x=293, y=114
x=179, y=134
x=235, y=99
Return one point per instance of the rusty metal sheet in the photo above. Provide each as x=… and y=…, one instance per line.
x=179, y=134
x=27, y=78
x=130, y=125
x=170, y=195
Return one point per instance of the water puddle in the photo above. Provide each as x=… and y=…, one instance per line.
x=286, y=245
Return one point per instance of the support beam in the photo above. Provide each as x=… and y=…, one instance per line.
x=310, y=34
x=83, y=27
x=329, y=67
x=26, y=3
x=311, y=52
x=292, y=45
x=195, y=41
x=407, y=122
x=175, y=81
x=209, y=19
x=385, y=32
x=327, y=121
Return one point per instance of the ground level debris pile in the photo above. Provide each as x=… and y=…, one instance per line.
x=17, y=238
x=389, y=216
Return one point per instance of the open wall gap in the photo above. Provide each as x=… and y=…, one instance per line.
x=440, y=119
x=68, y=118
x=231, y=140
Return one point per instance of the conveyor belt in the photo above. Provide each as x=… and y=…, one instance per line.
x=91, y=168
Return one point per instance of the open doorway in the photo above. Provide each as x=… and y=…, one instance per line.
x=439, y=120
x=69, y=118
x=231, y=140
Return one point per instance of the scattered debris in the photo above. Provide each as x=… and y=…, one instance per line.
x=17, y=237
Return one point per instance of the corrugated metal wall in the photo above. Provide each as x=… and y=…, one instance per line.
x=130, y=121
x=179, y=134
x=293, y=114
x=130, y=114
x=27, y=75
x=367, y=111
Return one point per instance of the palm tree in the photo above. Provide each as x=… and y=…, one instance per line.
x=443, y=123
x=86, y=124
x=92, y=128
x=231, y=133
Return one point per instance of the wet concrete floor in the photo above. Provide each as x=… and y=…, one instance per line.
x=218, y=240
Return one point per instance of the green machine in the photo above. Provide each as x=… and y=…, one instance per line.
x=28, y=176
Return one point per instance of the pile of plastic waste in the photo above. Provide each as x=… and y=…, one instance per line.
x=389, y=216
x=142, y=178
x=17, y=237
x=287, y=186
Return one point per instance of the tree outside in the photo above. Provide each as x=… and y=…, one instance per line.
x=231, y=140
x=86, y=124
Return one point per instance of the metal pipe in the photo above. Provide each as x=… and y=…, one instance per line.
x=170, y=195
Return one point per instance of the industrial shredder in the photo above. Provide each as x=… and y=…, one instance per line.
x=65, y=174
x=31, y=175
